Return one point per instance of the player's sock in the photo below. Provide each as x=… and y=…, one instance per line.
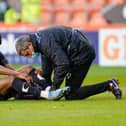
x=44, y=94
x=52, y=95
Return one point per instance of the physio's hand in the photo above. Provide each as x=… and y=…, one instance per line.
x=24, y=77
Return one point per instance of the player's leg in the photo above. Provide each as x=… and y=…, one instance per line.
x=90, y=90
x=23, y=88
x=38, y=89
x=5, y=84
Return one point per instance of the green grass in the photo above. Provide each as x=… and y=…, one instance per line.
x=99, y=110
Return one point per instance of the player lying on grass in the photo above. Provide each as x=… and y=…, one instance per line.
x=20, y=89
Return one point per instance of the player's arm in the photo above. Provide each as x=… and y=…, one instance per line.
x=4, y=61
x=9, y=66
x=6, y=71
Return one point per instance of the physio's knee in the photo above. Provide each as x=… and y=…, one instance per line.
x=70, y=96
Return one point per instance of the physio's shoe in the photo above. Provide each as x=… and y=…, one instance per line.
x=55, y=94
x=66, y=90
x=114, y=88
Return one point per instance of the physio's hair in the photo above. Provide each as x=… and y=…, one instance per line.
x=22, y=43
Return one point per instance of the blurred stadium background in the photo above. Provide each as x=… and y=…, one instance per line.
x=103, y=21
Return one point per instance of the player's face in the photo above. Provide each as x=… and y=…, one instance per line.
x=28, y=51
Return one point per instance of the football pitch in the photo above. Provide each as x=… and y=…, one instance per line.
x=99, y=110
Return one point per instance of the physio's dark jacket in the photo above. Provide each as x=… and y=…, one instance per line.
x=61, y=48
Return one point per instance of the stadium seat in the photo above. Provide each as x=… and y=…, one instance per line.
x=62, y=14
x=60, y=2
x=78, y=8
x=46, y=1
x=78, y=1
x=116, y=1
x=78, y=22
x=79, y=16
x=97, y=2
x=93, y=8
x=46, y=15
x=96, y=20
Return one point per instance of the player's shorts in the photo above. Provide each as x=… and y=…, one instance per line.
x=38, y=79
x=26, y=90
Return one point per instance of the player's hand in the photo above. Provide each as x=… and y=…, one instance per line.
x=38, y=71
x=24, y=77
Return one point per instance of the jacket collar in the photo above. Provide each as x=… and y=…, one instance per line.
x=35, y=42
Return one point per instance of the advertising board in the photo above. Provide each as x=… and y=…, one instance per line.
x=112, y=47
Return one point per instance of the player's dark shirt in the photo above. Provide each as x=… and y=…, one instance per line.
x=3, y=60
x=16, y=91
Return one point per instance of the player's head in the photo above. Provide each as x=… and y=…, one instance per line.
x=24, y=46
